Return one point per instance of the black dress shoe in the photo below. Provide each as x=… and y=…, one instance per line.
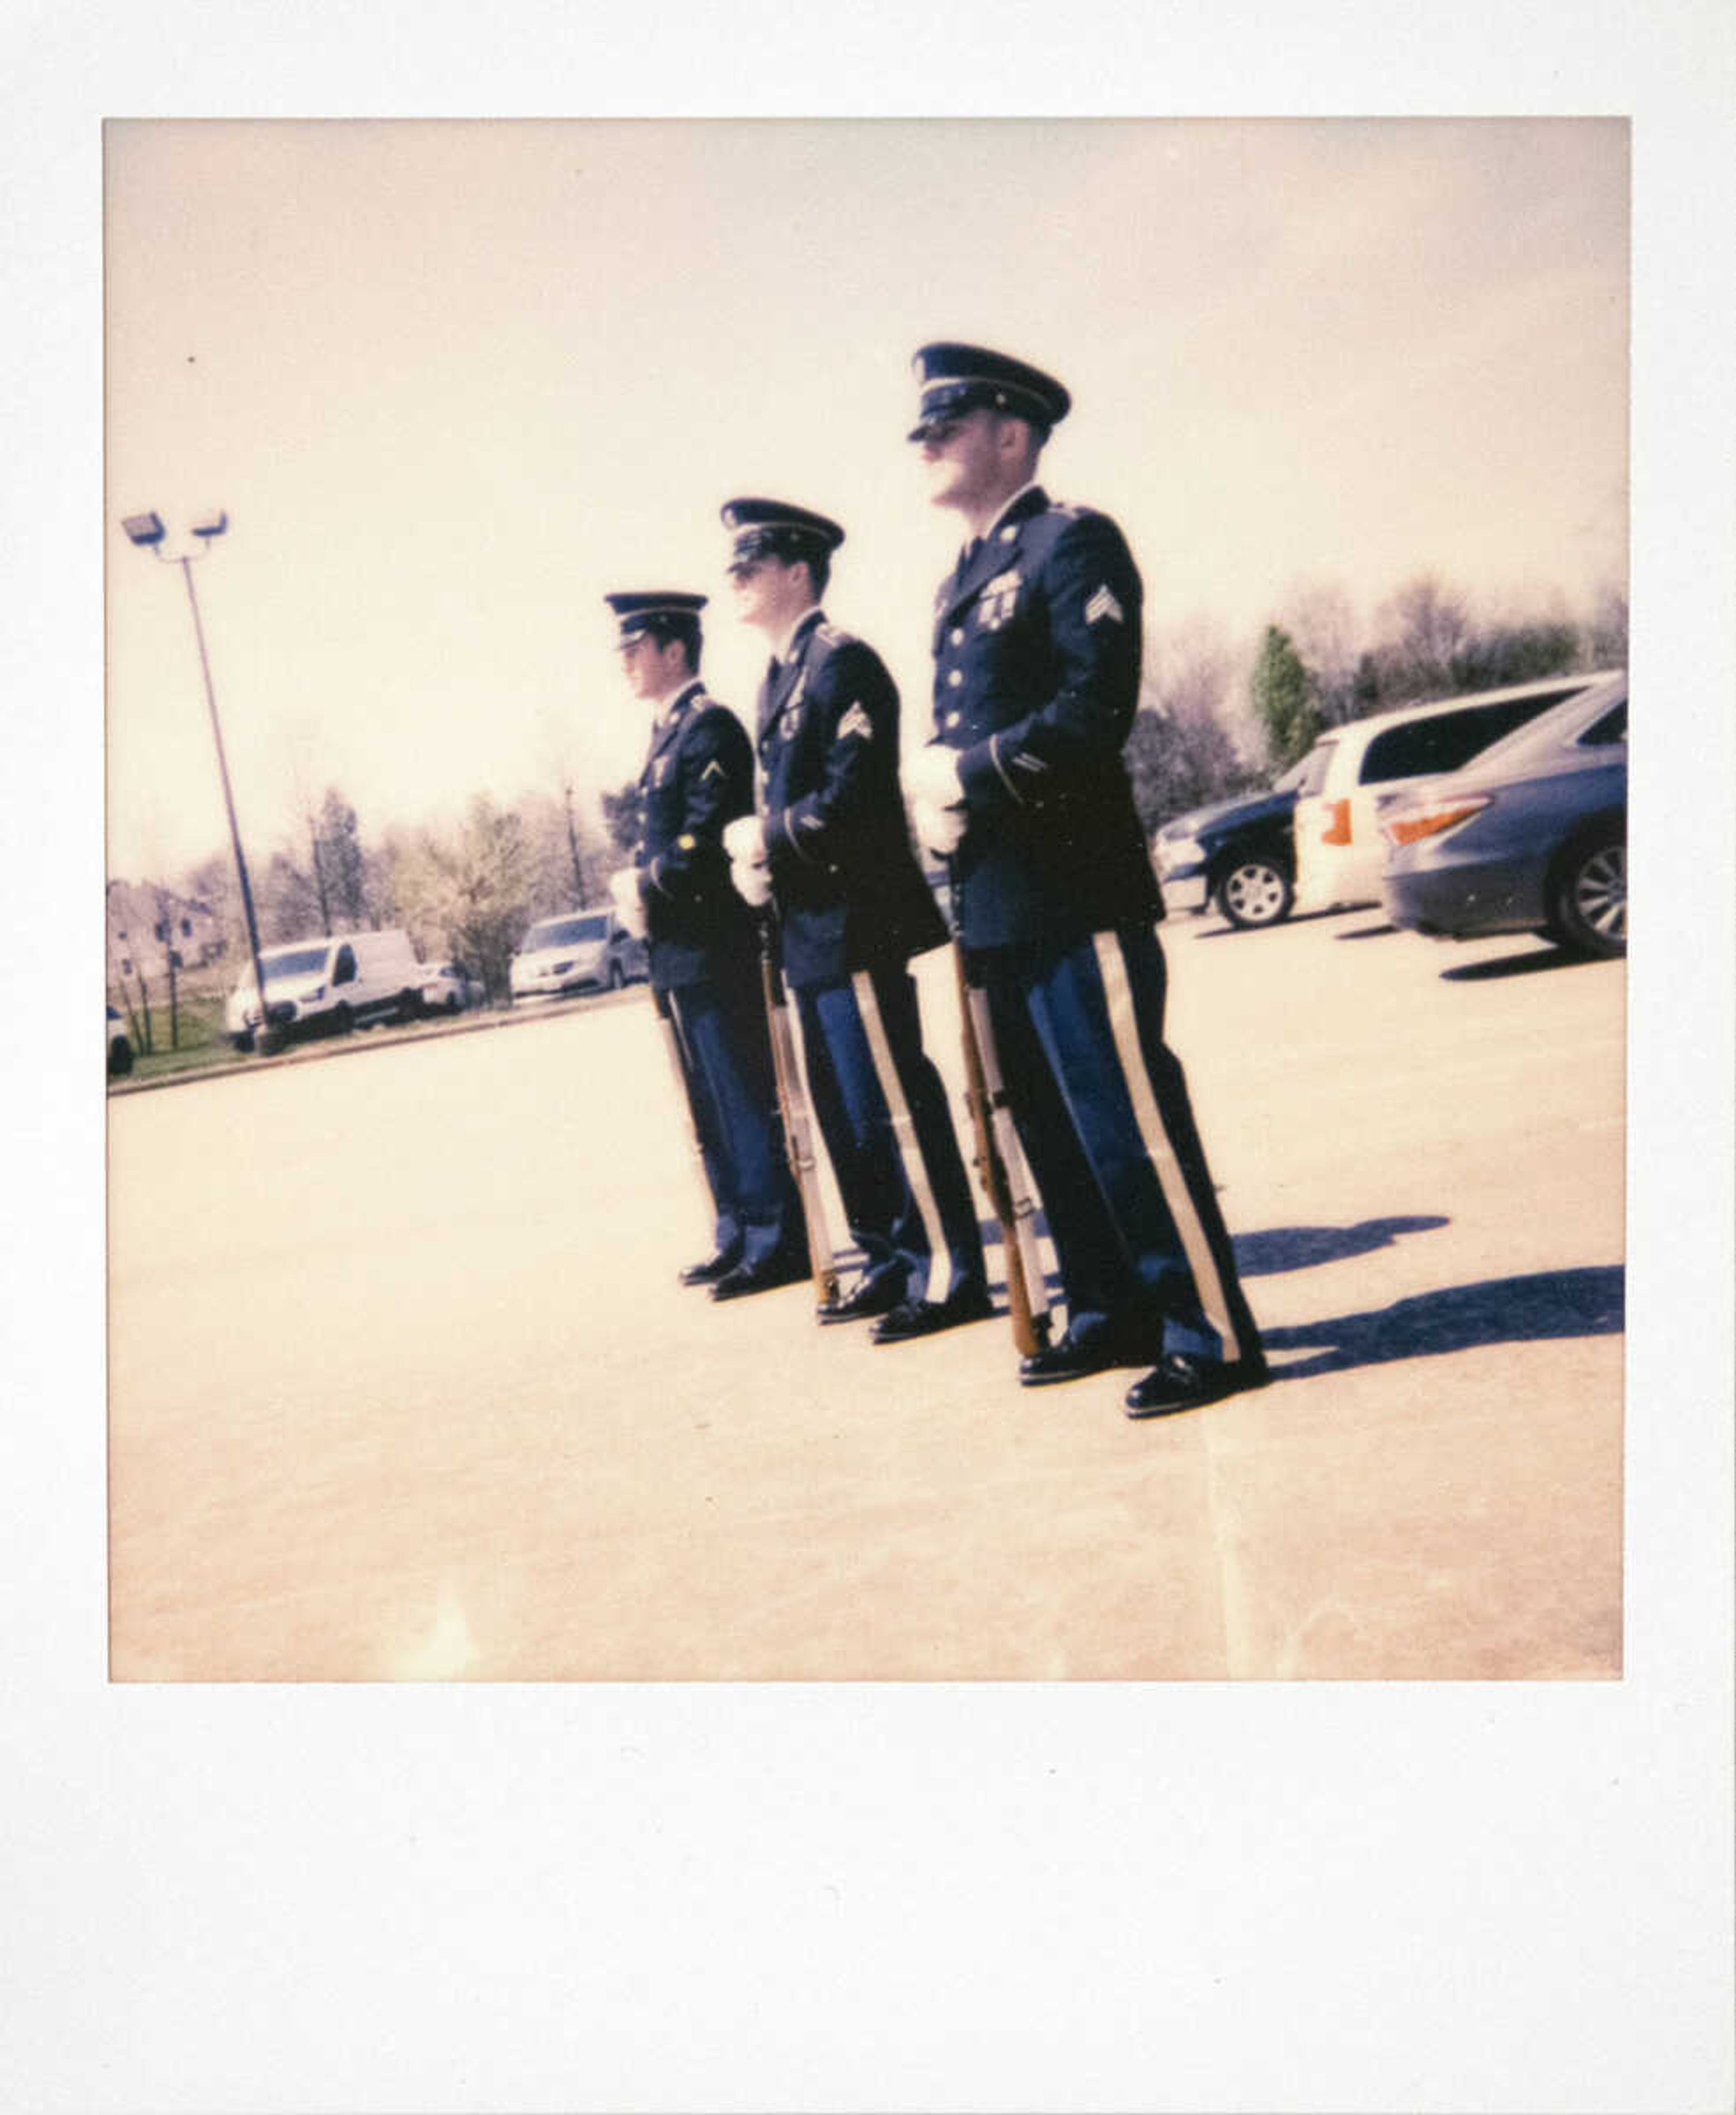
x=1085, y=1351
x=925, y=1317
x=871, y=1295
x=1182, y=1380
x=765, y=1277
x=712, y=1269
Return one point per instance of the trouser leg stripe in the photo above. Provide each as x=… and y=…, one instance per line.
x=904, y=1128
x=1171, y=1176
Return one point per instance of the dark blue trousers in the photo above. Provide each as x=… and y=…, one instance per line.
x=888, y=1216
x=725, y=1047
x=1101, y=1106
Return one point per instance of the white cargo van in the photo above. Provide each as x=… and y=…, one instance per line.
x=328, y=985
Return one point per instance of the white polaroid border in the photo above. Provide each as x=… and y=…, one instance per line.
x=1121, y=1898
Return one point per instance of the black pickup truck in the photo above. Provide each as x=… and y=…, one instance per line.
x=1240, y=854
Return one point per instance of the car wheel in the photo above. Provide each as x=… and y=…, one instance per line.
x=1588, y=901
x=242, y=1045
x=410, y=1007
x=342, y=1021
x=120, y=1058
x=452, y=1001
x=1255, y=891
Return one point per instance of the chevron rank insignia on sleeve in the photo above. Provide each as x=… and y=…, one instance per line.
x=856, y=721
x=1103, y=604
x=714, y=765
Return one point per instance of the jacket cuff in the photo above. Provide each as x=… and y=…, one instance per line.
x=984, y=775
x=784, y=832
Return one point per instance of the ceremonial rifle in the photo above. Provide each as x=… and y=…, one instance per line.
x=999, y=1161
x=663, y=1006
x=792, y=1102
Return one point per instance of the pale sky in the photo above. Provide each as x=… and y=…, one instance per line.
x=452, y=381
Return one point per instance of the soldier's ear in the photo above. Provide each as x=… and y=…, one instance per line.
x=1017, y=439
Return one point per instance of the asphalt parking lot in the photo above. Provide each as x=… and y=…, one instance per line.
x=401, y=1384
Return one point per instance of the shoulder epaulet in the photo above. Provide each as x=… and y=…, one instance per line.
x=830, y=634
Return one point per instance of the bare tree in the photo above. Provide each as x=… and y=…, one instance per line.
x=344, y=892
x=588, y=861
x=1319, y=618
x=287, y=901
x=298, y=739
x=1420, y=629
x=1607, y=638
x=473, y=884
x=1180, y=754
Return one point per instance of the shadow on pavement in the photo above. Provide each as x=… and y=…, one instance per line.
x=1298, y=1248
x=1367, y=933
x=1499, y=1310
x=1226, y=931
x=1514, y=966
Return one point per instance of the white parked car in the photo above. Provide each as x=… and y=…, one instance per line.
x=1354, y=769
x=580, y=951
x=330, y=985
x=450, y=989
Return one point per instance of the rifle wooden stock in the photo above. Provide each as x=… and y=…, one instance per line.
x=792, y=1103
x=996, y=1146
x=663, y=1007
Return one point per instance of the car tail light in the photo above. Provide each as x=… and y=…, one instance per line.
x=1337, y=831
x=1412, y=825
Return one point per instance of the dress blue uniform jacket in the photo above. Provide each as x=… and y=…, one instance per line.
x=698, y=776
x=850, y=893
x=1037, y=648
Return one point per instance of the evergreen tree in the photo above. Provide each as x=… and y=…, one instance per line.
x=1283, y=700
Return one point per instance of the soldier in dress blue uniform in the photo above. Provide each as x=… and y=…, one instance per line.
x=1037, y=650
x=832, y=847
x=699, y=933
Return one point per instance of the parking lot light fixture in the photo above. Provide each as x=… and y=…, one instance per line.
x=148, y=532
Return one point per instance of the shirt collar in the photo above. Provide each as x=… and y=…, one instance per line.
x=1029, y=486
x=666, y=708
x=787, y=644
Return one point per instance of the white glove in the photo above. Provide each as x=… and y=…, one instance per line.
x=932, y=778
x=744, y=843
x=935, y=794
x=630, y=906
x=941, y=829
x=753, y=884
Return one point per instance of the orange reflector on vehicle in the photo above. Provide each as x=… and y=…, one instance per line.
x=1413, y=824
x=1337, y=831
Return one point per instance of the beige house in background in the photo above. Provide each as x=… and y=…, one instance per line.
x=146, y=924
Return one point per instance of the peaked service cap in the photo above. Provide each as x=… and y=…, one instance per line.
x=956, y=378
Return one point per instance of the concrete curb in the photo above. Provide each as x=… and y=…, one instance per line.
x=365, y=1040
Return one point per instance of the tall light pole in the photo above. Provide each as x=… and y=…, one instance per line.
x=147, y=531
